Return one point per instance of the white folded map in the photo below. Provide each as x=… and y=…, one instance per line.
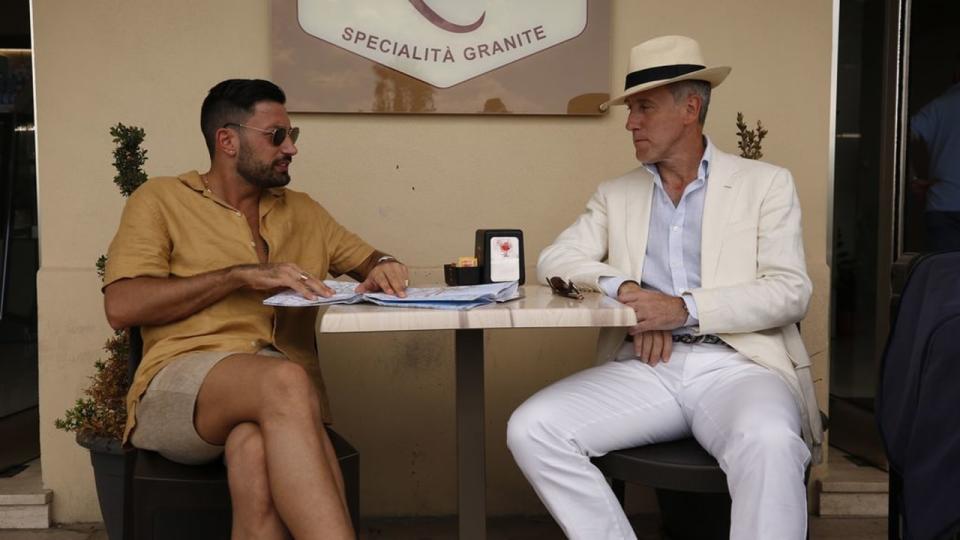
x=464, y=297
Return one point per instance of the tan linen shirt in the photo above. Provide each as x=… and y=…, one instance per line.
x=174, y=227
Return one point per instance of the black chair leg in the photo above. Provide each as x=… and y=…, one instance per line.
x=713, y=515
x=893, y=506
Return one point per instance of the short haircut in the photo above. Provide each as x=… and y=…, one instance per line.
x=232, y=101
x=682, y=89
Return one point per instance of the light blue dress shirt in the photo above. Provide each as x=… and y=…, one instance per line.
x=672, y=261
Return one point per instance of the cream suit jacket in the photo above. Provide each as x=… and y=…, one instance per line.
x=754, y=279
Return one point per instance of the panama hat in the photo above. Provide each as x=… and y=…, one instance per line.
x=664, y=60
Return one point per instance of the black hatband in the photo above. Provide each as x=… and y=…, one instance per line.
x=659, y=73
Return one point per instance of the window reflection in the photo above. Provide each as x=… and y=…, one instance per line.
x=932, y=194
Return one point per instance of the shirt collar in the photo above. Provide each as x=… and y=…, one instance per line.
x=193, y=180
x=703, y=172
x=707, y=158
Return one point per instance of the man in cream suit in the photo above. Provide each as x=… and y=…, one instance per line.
x=707, y=249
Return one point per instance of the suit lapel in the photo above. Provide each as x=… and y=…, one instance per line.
x=722, y=188
x=637, y=203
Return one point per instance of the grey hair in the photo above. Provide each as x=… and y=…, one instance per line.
x=682, y=89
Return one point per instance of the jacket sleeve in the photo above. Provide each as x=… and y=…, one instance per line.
x=580, y=252
x=780, y=293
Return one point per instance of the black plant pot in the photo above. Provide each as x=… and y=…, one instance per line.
x=113, y=471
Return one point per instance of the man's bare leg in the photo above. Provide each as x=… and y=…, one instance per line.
x=280, y=398
x=254, y=514
x=331, y=456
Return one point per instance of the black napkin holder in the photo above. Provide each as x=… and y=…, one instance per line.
x=455, y=275
x=499, y=255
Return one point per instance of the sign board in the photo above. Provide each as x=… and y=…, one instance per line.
x=442, y=56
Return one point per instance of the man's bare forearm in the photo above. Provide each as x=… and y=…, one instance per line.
x=154, y=301
x=363, y=270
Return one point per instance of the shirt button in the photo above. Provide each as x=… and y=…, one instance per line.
x=676, y=228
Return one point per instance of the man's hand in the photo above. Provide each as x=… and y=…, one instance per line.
x=653, y=347
x=269, y=277
x=389, y=276
x=654, y=310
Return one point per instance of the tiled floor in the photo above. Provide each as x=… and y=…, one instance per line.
x=499, y=529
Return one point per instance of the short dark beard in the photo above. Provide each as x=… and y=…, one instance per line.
x=259, y=174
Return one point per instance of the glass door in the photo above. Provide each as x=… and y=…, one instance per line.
x=893, y=197
x=858, y=221
x=19, y=418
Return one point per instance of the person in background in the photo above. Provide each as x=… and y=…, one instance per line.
x=935, y=166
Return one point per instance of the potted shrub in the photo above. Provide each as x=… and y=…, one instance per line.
x=750, y=140
x=98, y=418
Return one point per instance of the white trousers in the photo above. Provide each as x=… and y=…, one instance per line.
x=739, y=411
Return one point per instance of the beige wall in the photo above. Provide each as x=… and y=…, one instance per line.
x=416, y=186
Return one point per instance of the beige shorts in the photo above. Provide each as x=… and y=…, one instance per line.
x=166, y=411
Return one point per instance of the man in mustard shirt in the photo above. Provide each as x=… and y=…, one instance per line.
x=191, y=263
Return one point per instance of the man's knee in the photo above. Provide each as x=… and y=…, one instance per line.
x=530, y=427
x=288, y=388
x=244, y=447
x=760, y=443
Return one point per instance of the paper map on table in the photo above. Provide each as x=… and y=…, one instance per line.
x=458, y=298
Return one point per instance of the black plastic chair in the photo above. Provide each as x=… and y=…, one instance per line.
x=183, y=502
x=685, y=477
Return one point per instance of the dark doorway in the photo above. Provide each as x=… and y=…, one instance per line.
x=894, y=56
x=19, y=259
x=856, y=216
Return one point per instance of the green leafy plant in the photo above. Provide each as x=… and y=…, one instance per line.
x=103, y=412
x=128, y=157
x=750, y=139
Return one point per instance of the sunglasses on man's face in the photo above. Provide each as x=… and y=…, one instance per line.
x=278, y=135
x=564, y=288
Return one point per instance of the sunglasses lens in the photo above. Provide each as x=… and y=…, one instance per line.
x=564, y=288
x=280, y=135
x=556, y=285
